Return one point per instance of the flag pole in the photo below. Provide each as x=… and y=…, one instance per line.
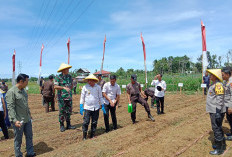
x=144, y=53
x=40, y=63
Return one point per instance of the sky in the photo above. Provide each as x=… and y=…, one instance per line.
x=169, y=28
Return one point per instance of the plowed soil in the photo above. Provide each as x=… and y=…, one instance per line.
x=184, y=130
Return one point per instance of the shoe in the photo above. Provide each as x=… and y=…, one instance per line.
x=31, y=155
x=151, y=117
x=162, y=112
x=84, y=136
x=219, y=148
x=62, y=129
x=107, y=130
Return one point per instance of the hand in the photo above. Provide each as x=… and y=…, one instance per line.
x=18, y=124
x=66, y=88
x=81, y=109
x=103, y=109
x=111, y=103
x=229, y=110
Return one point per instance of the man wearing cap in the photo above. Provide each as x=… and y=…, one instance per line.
x=133, y=95
x=101, y=82
x=160, y=88
x=216, y=109
x=226, y=74
x=111, y=93
x=63, y=83
x=90, y=101
x=48, y=92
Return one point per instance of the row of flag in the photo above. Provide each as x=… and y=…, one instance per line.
x=204, y=56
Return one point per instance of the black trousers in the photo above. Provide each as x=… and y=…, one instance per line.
x=93, y=115
x=112, y=110
x=3, y=125
x=160, y=101
x=217, y=126
x=229, y=119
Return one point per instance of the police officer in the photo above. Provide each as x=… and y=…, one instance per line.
x=150, y=92
x=228, y=99
x=216, y=109
x=133, y=95
x=63, y=83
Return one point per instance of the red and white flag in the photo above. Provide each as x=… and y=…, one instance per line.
x=13, y=63
x=104, y=45
x=144, y=50
x=144, y=54
x=40, y=64
x=204, y=55
x=68, y=45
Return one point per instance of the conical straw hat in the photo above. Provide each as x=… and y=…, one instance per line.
x=64, y=66
x=216, y=72
x=91, y=77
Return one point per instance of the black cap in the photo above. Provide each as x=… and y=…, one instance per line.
x=113, y=77
x=99, y=75
x=51, y=77
x=134, y=77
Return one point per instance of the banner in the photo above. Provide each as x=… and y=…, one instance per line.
x=68, y=45
x=144, y=54
x=104, y=44
x=204, y=55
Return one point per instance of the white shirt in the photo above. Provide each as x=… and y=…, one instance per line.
x=230, y=79
x=1, y=105
x=111, y=91
x=91, y=97
x=162, y=84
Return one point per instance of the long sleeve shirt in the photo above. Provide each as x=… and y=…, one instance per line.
x=215, y=98
x=162, y=84
x=91, y=97
x=228, y=94
x=17, y=104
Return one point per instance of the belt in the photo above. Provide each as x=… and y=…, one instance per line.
x=134, y=94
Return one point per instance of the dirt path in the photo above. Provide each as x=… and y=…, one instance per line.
x=183, y=131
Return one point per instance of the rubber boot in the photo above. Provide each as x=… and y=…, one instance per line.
x=150, y=116
x=219, y=149
x=69, y=126
x=84, y=136
x=62, y=129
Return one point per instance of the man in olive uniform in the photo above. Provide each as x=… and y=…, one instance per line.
x=101, y=82
x=63, y=83
x=133, y=95
x=216, y=109
x=226, y=74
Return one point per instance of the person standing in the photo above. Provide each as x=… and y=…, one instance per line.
x=63, y=84
x=160, y=88
x=226, y=74
x=3, y=116
x=74, y=85
x=48, y=92
x=206, y=80
x=3, y=90
x=111, y=93
x=41, y=82
x=216, y=109
x=20, y=115
x=150, y=92
x=134, y=97
x=90, y=101
x=101, y=82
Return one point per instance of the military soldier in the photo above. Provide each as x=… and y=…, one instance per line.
x=216, y=109
x=133, y=95
x=90, y=101
x=228, y=99
x=63, y=83
x=150, y=92
x=101, y=82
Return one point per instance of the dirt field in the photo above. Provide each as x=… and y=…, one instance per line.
x=183, y=131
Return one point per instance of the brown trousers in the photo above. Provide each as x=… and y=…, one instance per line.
x=138, y=99
x=46, y=103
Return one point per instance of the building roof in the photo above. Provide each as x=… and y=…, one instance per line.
x=83, y=70
x=103, y=72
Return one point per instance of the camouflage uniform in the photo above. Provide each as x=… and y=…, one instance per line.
x=64, y=97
